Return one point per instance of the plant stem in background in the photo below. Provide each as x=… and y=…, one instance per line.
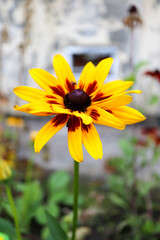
x=76, y=191
x=131, y=54
x=134, y=185
x=149, y=205
x=15, y=217
x=29, y=170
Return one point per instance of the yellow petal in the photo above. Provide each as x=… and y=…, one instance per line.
x=53, y=99
x=62, y=69
x=5, y=170
x=99, y=76
x=49, y=130
x=102, y=117
x=102, y=69
x=22, y=108
x=114, y=102
x=61, y=109
x=75, y=138
x=86, y=119
x=40, y=108
x=86, y=76
x=111, y=89
x=44, y=79
x=128, y=115
x=36, y=108
x=28, y=93
x=91, y=141
x=134, y=91
x=116, y=87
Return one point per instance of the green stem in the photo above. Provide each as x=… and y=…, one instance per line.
x=11, y=201
x=76, y=191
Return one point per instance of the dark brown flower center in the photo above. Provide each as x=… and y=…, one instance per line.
x=77, y=100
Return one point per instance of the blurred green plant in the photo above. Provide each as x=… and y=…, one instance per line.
x=131, y=200
x=133, y=75
x=40, y=204
x=150, y=98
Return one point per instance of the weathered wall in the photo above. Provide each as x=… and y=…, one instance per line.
x=32, y=31
x=54, y=24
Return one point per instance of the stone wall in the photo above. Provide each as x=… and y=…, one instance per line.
x=36, y=30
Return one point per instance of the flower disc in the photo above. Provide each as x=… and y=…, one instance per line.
x=77, y=100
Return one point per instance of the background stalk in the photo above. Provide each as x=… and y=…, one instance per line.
x=15, y=217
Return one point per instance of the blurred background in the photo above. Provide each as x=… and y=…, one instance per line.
x=31, y=33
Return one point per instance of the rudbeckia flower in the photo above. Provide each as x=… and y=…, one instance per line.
x=133, y=19
x=15, y=122
x=3, y=236
x=5, y=169
x=33, y=135
x=155, y=74
x=78, y=105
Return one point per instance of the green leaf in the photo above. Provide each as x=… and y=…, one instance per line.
x=7, y=228
x=139, y=65
x=116, y=184
x=57, y=233
x=117, y=200
x=20, y=186
x=118, y=163
x=144, y=187
x=54, y=209
x=58, y=180
x=157, y=227
x=127, y=147
x=8, y=209
x=149, y=227
x=45, y=233
x=33, y=189
x=153, y=100
x=123, y=224
x=131, y=77
x=41, y=213
x=135, y=221
x=10, y=135
x=58, y=197
x=28, y=203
